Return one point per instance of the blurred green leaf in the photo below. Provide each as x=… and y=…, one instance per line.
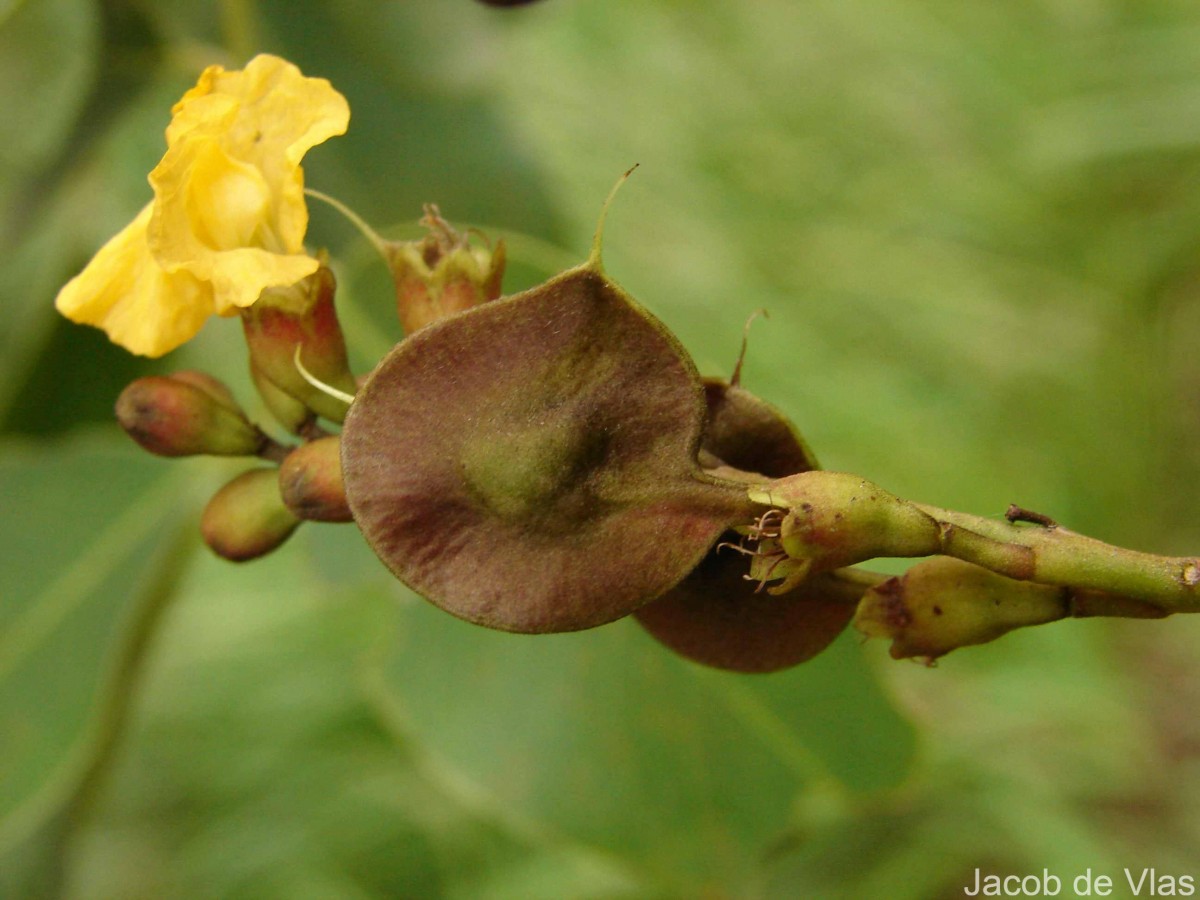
x=92, y=523
x=48, y=61
x=48, y=56
x=263, y=717
x=307, y=711
x=617, y=742
x=80, y=196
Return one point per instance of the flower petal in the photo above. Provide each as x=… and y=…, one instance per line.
x=280, y=116
x=212, y=218
x=229, y=216
x=206, y=202
x=238, y=277
x=139, y=305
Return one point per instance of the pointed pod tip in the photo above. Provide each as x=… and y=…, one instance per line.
x=736, y=378
x=594, y=257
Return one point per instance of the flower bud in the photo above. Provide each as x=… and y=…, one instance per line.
x=310, y=482
x=284, y=408
x=441, y=274
x=172, y=416
x=943, y=603
x=246, y=518
x=298, y=324
x=214, y=387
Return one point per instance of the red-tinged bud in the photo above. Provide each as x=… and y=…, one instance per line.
x=173, y=417
x=441, y=274
x=294, y=330
x=246, y=518
x=310, y=482
x=214, y=387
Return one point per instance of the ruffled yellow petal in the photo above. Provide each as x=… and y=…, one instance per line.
x=280, y=116
x=139, y=305
x=206, y=202
x=213, y=217
x=240, y=276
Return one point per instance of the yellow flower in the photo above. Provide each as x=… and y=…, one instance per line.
x=228, y=216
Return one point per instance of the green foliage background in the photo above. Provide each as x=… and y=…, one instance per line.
x=976, y=227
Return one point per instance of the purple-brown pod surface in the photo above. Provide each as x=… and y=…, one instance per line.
x=748, y=433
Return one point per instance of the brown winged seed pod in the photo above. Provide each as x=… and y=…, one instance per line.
x=530, y=464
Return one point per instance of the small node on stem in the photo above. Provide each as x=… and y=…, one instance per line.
x=1016, y=513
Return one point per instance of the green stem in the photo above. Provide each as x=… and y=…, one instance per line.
x=1050, y=554
x=828, y=520
x=364, y=228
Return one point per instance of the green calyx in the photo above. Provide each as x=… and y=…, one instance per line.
x=441, y=274
x=833, y=519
